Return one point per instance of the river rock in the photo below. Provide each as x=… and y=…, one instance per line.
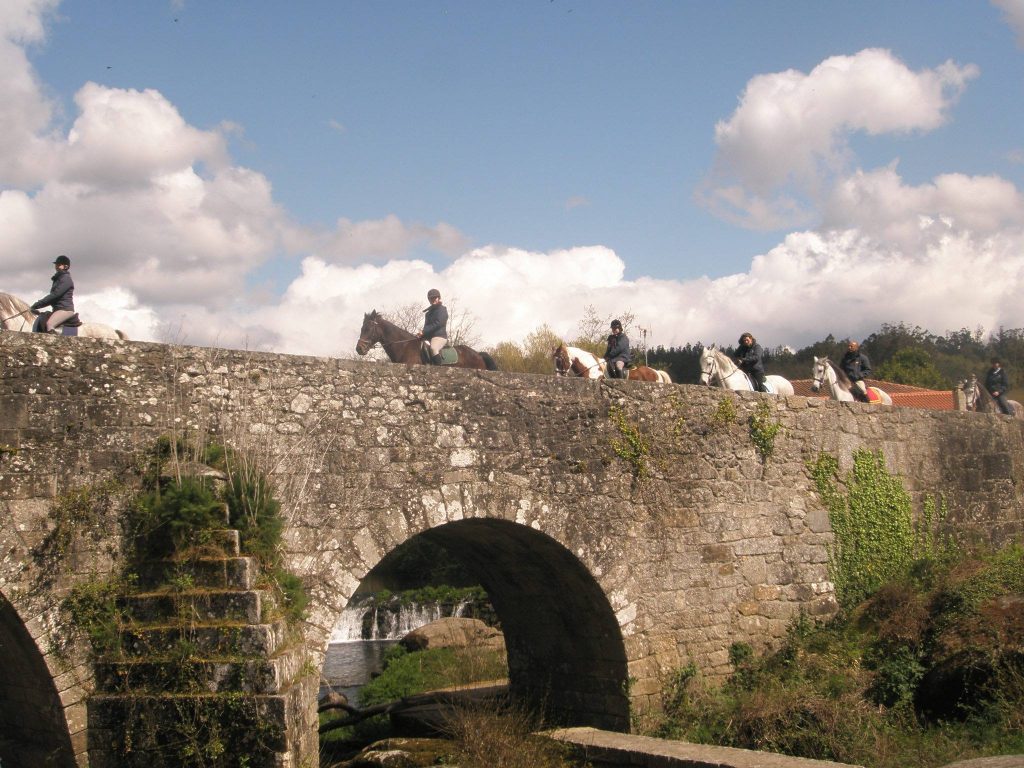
x=454, y=633
x=400, y=753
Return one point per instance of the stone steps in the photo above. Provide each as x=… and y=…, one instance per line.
x=205, y=661
x=232, y=572
x=250, y=606
x=218, y=639
x=133, y=728
x=261, y=675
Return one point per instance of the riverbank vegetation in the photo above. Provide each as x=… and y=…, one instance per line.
x=928, y=669
x=477, y=735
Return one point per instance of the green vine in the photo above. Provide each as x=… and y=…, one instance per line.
x=633, y=447
x=872, y=523
x=764, y=428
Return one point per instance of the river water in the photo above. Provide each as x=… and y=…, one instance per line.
x=363, y=634
x=349, y=665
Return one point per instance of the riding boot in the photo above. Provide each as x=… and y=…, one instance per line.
x=436, y=360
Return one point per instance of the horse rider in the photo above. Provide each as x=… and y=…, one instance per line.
x=749, y=357
x=857, y=367
x=997, y=383
x=60, y=297
x=435, y=325
x=617, y=354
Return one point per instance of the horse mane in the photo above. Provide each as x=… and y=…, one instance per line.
x=373, y=314
x=12, y=305
x=721, y=357
x=984, y=401
x=841, y=376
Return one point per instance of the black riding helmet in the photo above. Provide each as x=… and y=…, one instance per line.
x=432, y=294
x=62, y=261
x=616, y=324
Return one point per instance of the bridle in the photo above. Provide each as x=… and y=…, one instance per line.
x=710, y=369
x=366, y=344
x=819, y=379
x=559, y=362
x=970, y=390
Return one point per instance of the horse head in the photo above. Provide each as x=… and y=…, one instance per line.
x=973, y=399
x=370, y=333
x=819, y=372
x=708, y=365
x=561, y=357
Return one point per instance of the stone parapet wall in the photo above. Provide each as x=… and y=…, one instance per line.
x=606, y=561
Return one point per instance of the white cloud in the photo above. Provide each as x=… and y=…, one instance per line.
x=25, y=111
x=1013, y=12
x=787, y=140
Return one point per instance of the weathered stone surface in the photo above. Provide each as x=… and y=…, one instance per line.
x=594, y=571
x=454, y=632
x=603, y=748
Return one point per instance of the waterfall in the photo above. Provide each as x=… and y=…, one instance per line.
x=365, y=620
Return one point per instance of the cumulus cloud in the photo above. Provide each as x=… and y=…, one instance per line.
x=142, y=200
x=788, y=138
x=25, y=111
x=1013, y=12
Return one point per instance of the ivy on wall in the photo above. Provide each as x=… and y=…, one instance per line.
x=872, y=522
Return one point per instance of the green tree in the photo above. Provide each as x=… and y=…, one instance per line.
x=912, y=366
x=532, y=356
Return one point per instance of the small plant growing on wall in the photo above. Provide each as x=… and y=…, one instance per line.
x=725, y=413
x=632, y=447
x=764, y=428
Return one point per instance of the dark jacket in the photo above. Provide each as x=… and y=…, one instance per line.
x=61, y=295
x=618, y=348
x=996, y=380
x=749, y=359
x=855, y=365
x=435, y=322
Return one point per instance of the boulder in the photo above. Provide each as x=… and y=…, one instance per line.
x=454, y=633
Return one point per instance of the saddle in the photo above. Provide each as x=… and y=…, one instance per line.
x=68, y=328
x=449, y=355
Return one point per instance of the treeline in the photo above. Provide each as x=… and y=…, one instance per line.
x=899, y=353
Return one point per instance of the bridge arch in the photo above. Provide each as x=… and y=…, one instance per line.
x=33, y=729
x=565, y=649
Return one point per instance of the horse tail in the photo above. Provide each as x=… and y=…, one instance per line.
x=489, y=362
x=121, y=334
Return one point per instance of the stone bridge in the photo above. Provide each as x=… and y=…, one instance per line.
x=621, y=529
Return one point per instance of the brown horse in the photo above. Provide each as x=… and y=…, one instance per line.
x=643, y=373
x=403, y=347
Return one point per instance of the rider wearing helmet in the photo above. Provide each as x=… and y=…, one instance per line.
x=749, y=357
x=61, y=295
x=617, y=354
x=435, y=325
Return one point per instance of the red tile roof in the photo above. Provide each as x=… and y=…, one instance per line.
x=902, y=395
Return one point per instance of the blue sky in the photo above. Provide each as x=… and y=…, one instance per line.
x=225, y=169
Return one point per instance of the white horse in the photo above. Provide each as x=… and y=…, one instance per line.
x=825, y=372
x=15, y=315
x=717, y=368
x=573, y=361
x=977, y=398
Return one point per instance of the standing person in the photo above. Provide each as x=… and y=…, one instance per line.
x=997, y=383
x=61, y=295
x=617, y=354
x=857, y=367
x=749, y=357
x=435, y=325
